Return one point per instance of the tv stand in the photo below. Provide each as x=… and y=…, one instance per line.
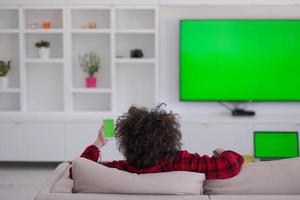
x=241, y=112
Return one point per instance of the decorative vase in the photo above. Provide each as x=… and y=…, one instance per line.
x=44, y=52
x=3, y=82
x=91, y=82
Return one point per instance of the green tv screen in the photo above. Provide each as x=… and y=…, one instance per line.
x=276, y=145
x=239, y=60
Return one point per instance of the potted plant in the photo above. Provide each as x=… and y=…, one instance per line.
x=43, y=48
x=90, y=63
x=4, y=69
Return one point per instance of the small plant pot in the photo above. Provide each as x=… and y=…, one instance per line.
x=44, y=53
x=3, y=82
x=91, y=82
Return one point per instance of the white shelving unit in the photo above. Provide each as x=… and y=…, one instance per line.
x=57, y=84
x=47, y=99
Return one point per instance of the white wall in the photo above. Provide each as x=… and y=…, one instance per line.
x=169, y=41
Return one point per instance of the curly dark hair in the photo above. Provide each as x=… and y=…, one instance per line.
x=145, y=136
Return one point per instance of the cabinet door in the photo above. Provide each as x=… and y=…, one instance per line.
x=274, y=2
x=80, y=135
x=204, y=138
x=10, y=142
x=42, y=141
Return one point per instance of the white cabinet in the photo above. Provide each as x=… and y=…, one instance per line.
x=54, y=141
x=275, y=2
x=10, y=141
x=206, y=2
x=109, y=2
x=41, y=141
x=31, y=141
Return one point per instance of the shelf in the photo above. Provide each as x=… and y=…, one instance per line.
x=43, y=30
x=9, y=31
x=91, y=90
x=56, y=44
x=135, y=31
x=10, y=90
x=83, y=17
x=45, y=87
x=135, y=89
x=91, y=102
x=134, y=60
x=39, y=16
x=135, y=18
x=11, y=17
x=38, y=60
x=99, y=44
x=10, y=101
x=127, y=42
x=75, y=31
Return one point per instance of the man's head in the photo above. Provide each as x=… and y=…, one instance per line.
x=147, y=136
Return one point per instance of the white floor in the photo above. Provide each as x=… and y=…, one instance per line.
x=21, y=181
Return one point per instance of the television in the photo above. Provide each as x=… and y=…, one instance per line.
x=275, y=144
x=239, y=60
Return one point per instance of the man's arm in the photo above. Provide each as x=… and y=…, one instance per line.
x=225, y=164
x=92, y=152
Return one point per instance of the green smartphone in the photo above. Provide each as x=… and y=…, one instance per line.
x=109, y=128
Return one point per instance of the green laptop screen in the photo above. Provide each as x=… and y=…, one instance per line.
x=276, y=144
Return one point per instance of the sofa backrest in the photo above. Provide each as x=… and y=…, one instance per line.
x=92, y=177
x=280, y=177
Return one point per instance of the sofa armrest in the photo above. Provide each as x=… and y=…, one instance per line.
x=47, y=187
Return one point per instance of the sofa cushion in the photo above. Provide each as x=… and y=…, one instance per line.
x=92, y=177
x=280, y=177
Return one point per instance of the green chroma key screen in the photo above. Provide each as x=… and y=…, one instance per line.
x=109, y=128
x=239, y=60
x=276, y=144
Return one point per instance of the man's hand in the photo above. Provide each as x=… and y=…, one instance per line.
x=100, y=140
x=218, y=151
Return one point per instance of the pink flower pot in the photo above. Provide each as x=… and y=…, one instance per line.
x=91, y=82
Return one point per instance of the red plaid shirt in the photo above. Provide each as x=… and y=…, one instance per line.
x=227, y=165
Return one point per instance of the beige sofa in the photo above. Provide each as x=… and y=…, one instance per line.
x=271, y=180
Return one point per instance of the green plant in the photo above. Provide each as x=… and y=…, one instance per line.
x=42, y=43
x=90, y=63
x=4, y=67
